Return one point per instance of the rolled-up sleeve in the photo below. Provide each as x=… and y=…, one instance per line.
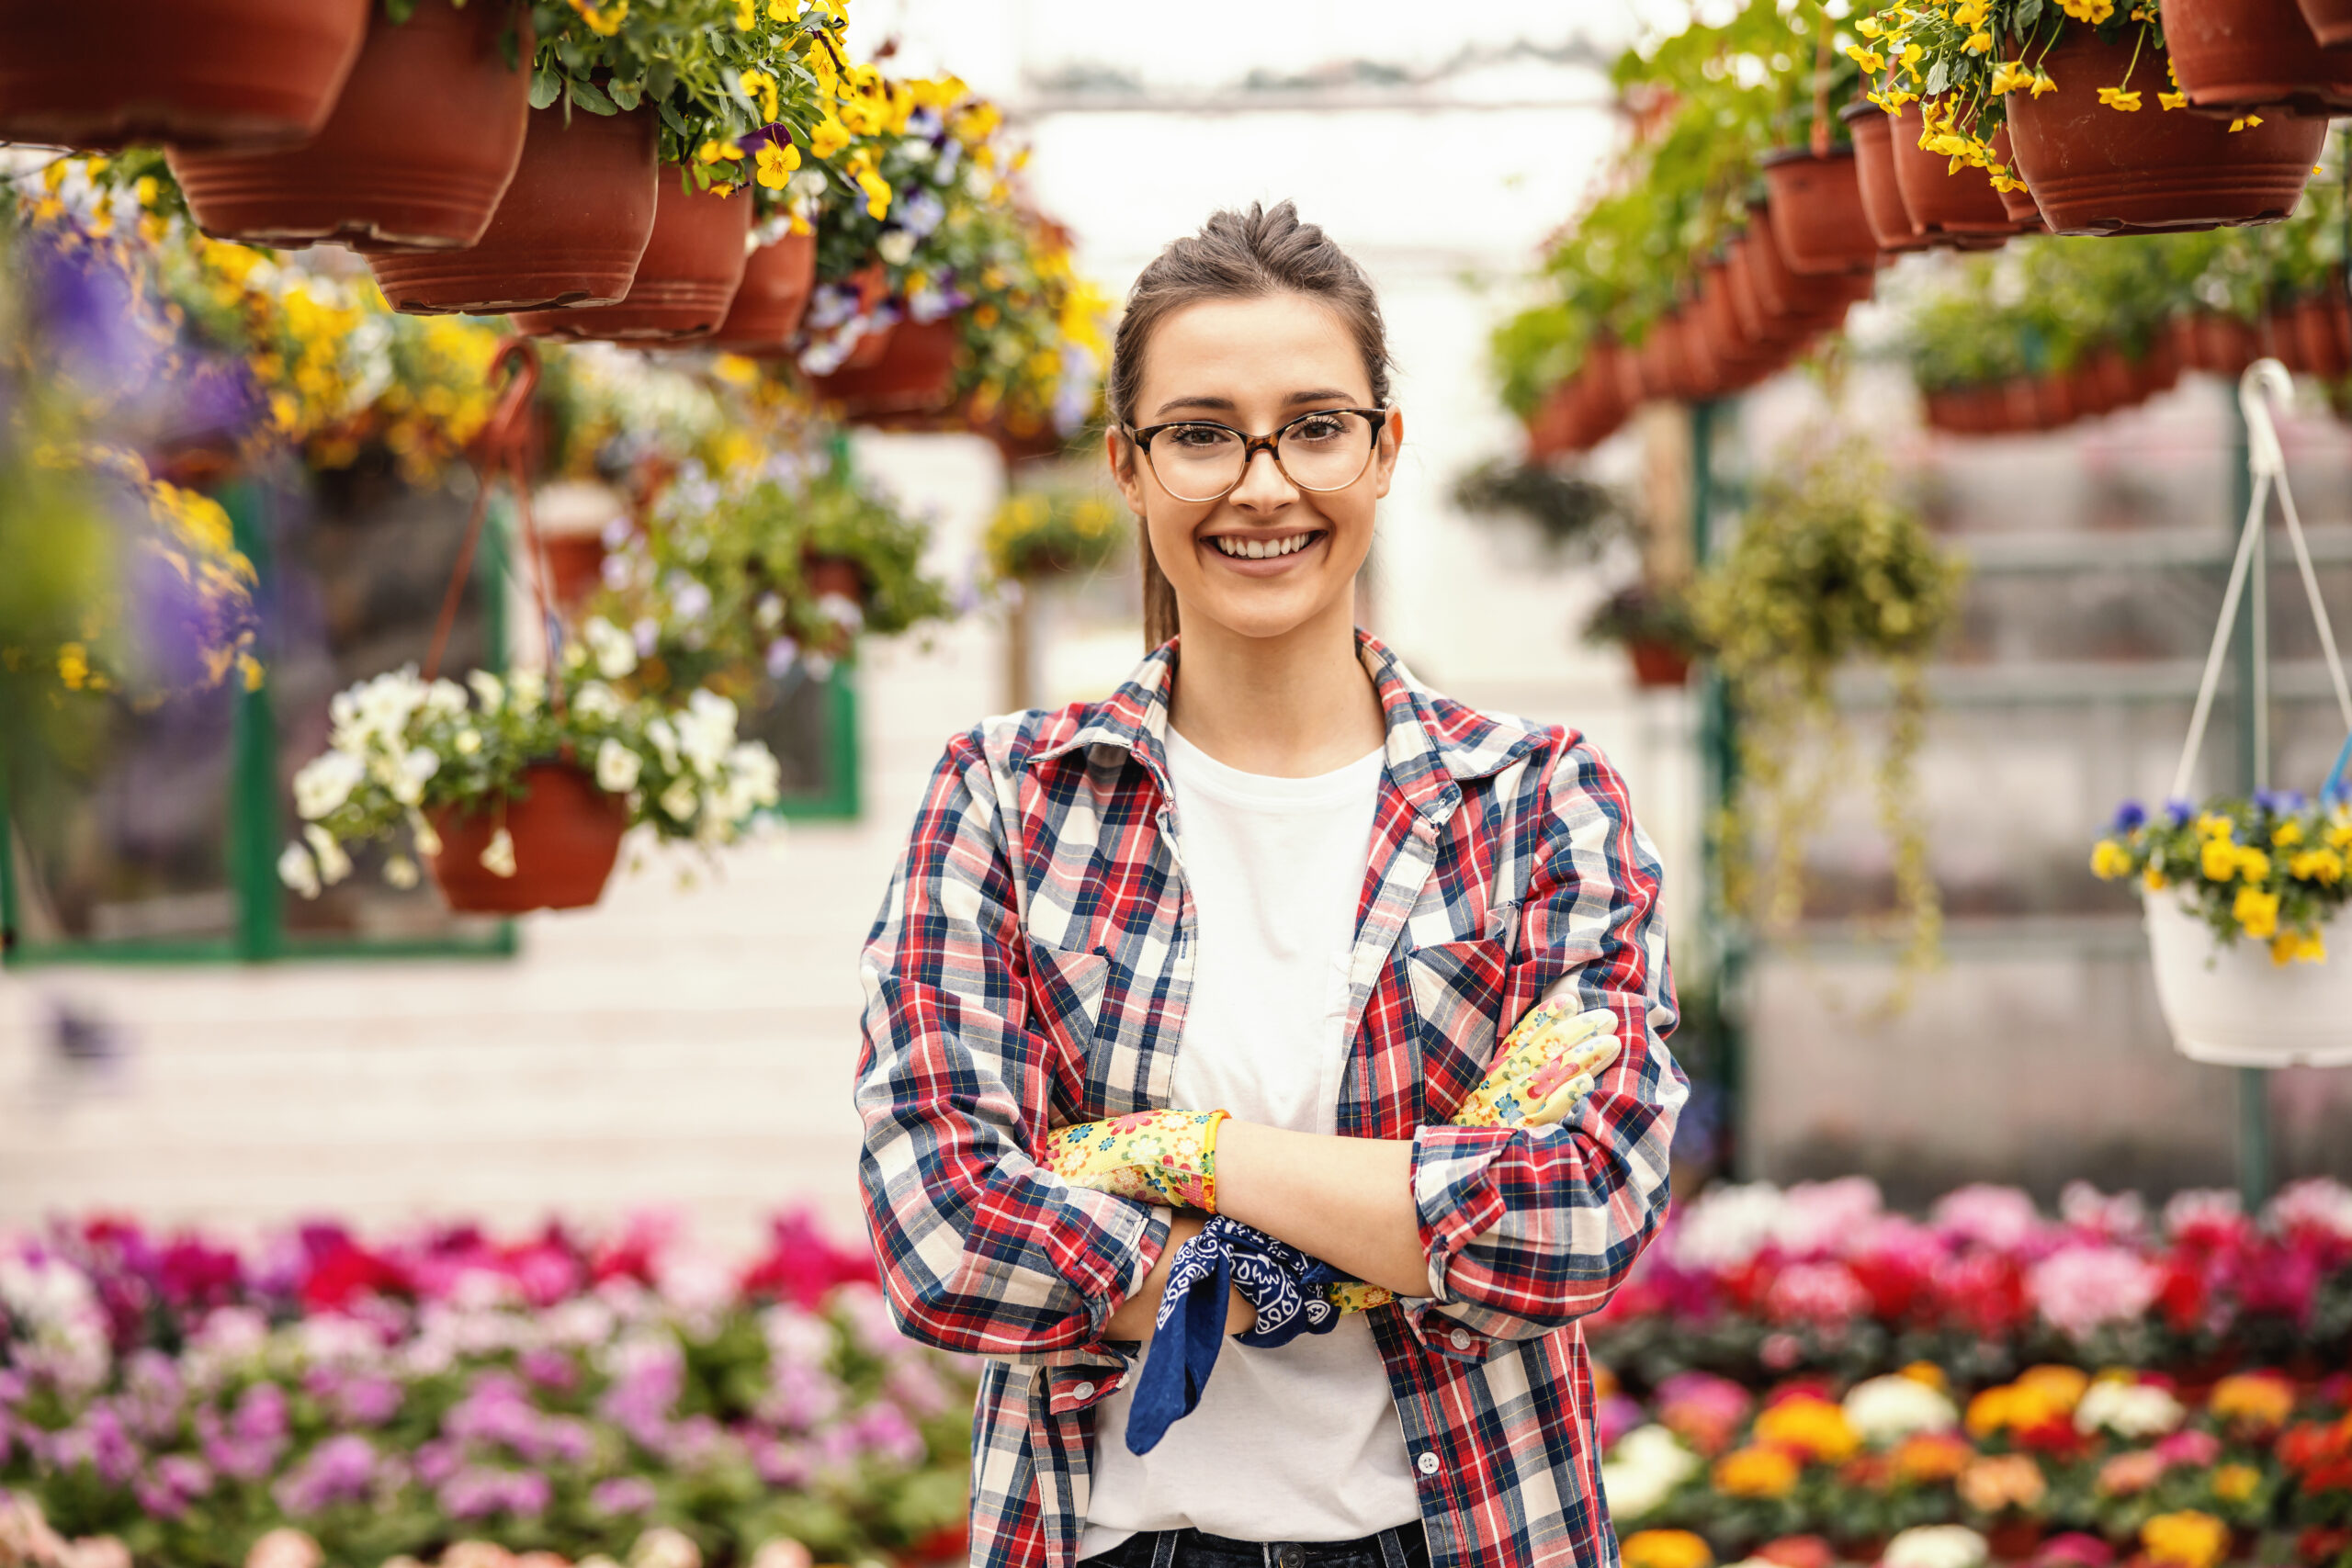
x=1527, y=1229
x=982, y=1250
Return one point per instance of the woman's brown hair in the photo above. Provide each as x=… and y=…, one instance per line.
x=1236, y=256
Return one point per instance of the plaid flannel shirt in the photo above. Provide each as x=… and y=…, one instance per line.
x=1030, y=969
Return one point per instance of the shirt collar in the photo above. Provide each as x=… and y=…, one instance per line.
x=1433, y=742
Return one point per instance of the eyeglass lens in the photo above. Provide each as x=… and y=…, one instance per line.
x=1322, y=451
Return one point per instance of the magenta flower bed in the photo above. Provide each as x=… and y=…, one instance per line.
x=564, y=1392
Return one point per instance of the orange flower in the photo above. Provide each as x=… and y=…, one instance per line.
x=2184, y=1540
x=1932, y=1456
x=1665, y=1549
x=1810, y=1426
x=2254, y=1402
x=1756, y=1470
x=2003, y=1481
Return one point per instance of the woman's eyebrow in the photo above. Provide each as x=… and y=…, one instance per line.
x=1227, y=405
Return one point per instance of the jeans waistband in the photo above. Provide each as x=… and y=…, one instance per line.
x=1401, y=1546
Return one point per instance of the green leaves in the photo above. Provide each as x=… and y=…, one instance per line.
x=586, y=95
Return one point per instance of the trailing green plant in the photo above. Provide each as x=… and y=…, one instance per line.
x=1038, y=533
x=1832, y=568
x=1568, y=511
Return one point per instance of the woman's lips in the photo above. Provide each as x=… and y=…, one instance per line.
x=1265, y=566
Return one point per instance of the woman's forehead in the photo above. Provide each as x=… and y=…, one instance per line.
x=1252, y=348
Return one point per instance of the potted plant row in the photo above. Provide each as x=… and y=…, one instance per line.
x=2096, y=129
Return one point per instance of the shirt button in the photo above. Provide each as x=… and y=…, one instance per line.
x=1083, y=1391
x=1460, y=1339
x=1425, y=1464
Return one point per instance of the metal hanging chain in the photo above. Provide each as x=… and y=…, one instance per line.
x=502, y=450
x=2265, y=382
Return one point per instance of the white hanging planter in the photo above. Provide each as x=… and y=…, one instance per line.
x=2234, y=1006
x=2231, y=1006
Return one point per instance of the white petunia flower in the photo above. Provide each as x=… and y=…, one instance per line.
x=1935, y=1546
x=333, y=865
x=325, y=782
x=613, y=648
x=2128, y=1409
x=597, y=703
x=296, y=870
x=897, y=247
x=679, y=800
x=467, y=742
x=616, y=767
x=1643, y=1471
x=487, y=689
x=498, y=855
x=401, y=872
x=1887, y=1409
x=527, y=689
x=428, y=842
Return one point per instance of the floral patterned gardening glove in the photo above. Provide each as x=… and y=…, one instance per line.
x=1153, y=1157
x=1543, y=1071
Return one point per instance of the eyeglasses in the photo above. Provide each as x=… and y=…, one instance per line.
x=1198, y=460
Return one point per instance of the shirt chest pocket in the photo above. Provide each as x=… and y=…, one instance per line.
x=1075, y=997
x=1457, y=990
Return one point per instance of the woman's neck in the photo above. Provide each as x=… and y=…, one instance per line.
x=1289, y=706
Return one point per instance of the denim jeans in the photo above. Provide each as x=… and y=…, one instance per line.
x=1402, y=1546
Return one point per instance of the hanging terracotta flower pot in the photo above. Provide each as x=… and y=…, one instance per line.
x=914, y=373
x=1782, y=289
x=1557, y=427
x=2096, y=170
x=1634, y=387
x=196, y=72
x=1757, y=320
x=565, y=833
x=777, y=281
x=1873, y=130
x=2233, y=56
x=1659, y=664
x=2024, y=217
x=1584, y=409
x=570, y=229
x=1944, y=203
x=685, y=282
x=2325, y=320
x=1742, y=360
x=379, y=173
x=1947, y=408
x=2331, y=21
x=1819, y=222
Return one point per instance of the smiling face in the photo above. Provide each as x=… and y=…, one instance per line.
x=1267, y=558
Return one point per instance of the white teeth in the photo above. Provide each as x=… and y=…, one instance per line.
x=1259, y=550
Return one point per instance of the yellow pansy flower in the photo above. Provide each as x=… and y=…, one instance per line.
x=602, y=19
x=717, y=151
x=877, y=192
x=760, y=88
x=2153, y=880
x=775, y=163
x=2322, y=866
x=829, y=137
x=2011, y=74
x=2253, y=865
x=2213, y=824
x=2110, y=859
x=2117, y=99
x=2287, y=835
x=2293, y=947
x=2044, y=83
x=2172, y=100
x=2246, y=122
x=1979, y=42
x=2219, y=860
x=2257, y=912
x=1867, y=59
x=747, y=16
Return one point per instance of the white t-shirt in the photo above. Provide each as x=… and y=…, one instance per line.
x=1300, y=1443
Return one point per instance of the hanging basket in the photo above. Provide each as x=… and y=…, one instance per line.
x=1882, y=209
x=196, y=72
x=1818, y=221
x=2331, y=21
x=567, y=834
x=685, y=282
x=1657, y=665
x=1782, y=289
x=2237, y=55
x=777, y=280
x=2231, y=1006
x=1948, y=206
x=913, y=374
x=2095, y=170
x=2025, y=217
x=2235, y=1005
x=570, y=229
x=379, y=174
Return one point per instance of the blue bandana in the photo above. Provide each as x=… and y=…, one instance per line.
x=1286, y=1286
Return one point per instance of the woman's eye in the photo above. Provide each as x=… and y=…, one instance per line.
x=1318, y=429
x=1199, y=438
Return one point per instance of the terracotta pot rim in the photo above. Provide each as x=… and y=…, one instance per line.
x=1804, y=154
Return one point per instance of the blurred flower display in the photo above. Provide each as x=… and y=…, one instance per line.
x=322, y=1398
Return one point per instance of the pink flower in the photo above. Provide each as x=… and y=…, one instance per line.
x=2003, y=1218
x=2190, y=1446
x=2084, y=1288
x=1823, y=1293
x=2128, y=1474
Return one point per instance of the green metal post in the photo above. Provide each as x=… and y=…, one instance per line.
x=2253, y=773
x=254, y=825
x=1724, y=938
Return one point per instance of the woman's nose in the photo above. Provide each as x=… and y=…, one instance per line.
x=1262, y=489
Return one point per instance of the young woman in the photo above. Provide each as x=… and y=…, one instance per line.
x=1271, y=876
